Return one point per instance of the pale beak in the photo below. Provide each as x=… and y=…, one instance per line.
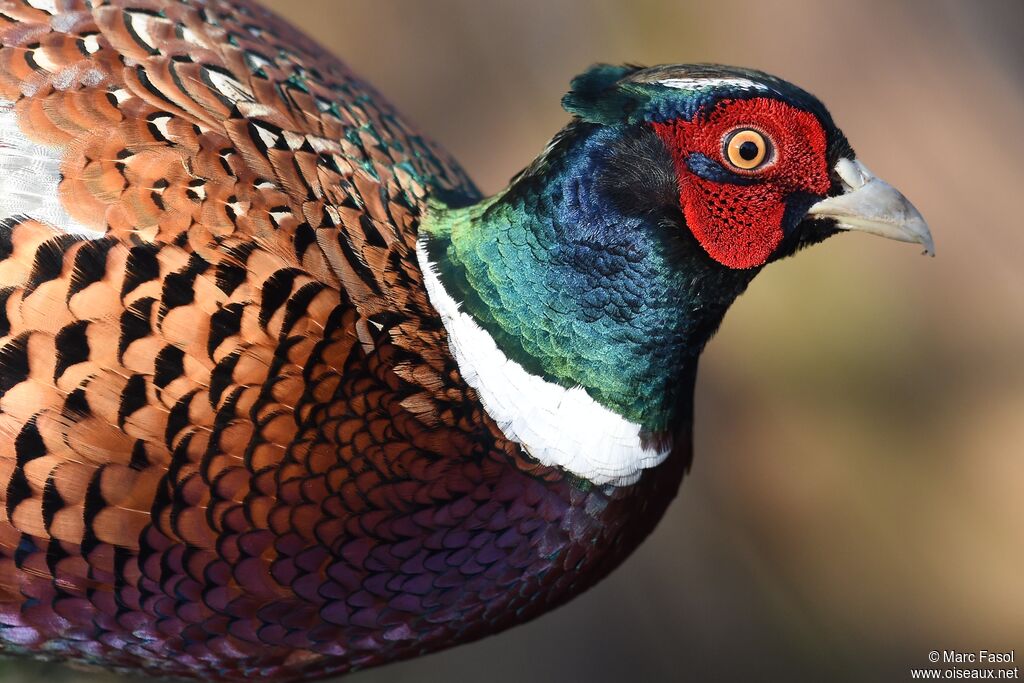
x=869, y=204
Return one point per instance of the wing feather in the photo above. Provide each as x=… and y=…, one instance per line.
x=213, y=327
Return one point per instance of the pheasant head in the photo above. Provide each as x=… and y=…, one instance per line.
x=583, y=293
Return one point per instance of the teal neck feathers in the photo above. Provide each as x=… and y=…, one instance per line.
x=579, y=288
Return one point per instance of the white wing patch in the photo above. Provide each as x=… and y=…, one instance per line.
x=29, y=179
x=559, y=427
x=698, y=83
x=229, y=87
x=48, y=6
x=163, y=125
x=268, y=137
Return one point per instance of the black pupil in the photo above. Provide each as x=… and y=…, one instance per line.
x=748, y=151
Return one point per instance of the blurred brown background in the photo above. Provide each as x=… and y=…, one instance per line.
x=857, y=498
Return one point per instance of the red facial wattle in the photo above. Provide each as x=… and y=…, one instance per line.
x=739, y=224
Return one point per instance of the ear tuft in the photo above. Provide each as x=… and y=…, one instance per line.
x=595, y=97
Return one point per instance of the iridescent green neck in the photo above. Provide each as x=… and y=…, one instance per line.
x=580, y=292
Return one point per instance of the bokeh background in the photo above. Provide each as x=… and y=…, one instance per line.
x=857, y=497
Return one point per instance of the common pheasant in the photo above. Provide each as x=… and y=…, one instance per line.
x=282, y=396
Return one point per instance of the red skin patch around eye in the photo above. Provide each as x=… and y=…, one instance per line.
x=740, y=226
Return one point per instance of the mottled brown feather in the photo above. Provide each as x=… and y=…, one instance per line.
x=220, y=421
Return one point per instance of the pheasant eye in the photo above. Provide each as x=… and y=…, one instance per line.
x=746, y=149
